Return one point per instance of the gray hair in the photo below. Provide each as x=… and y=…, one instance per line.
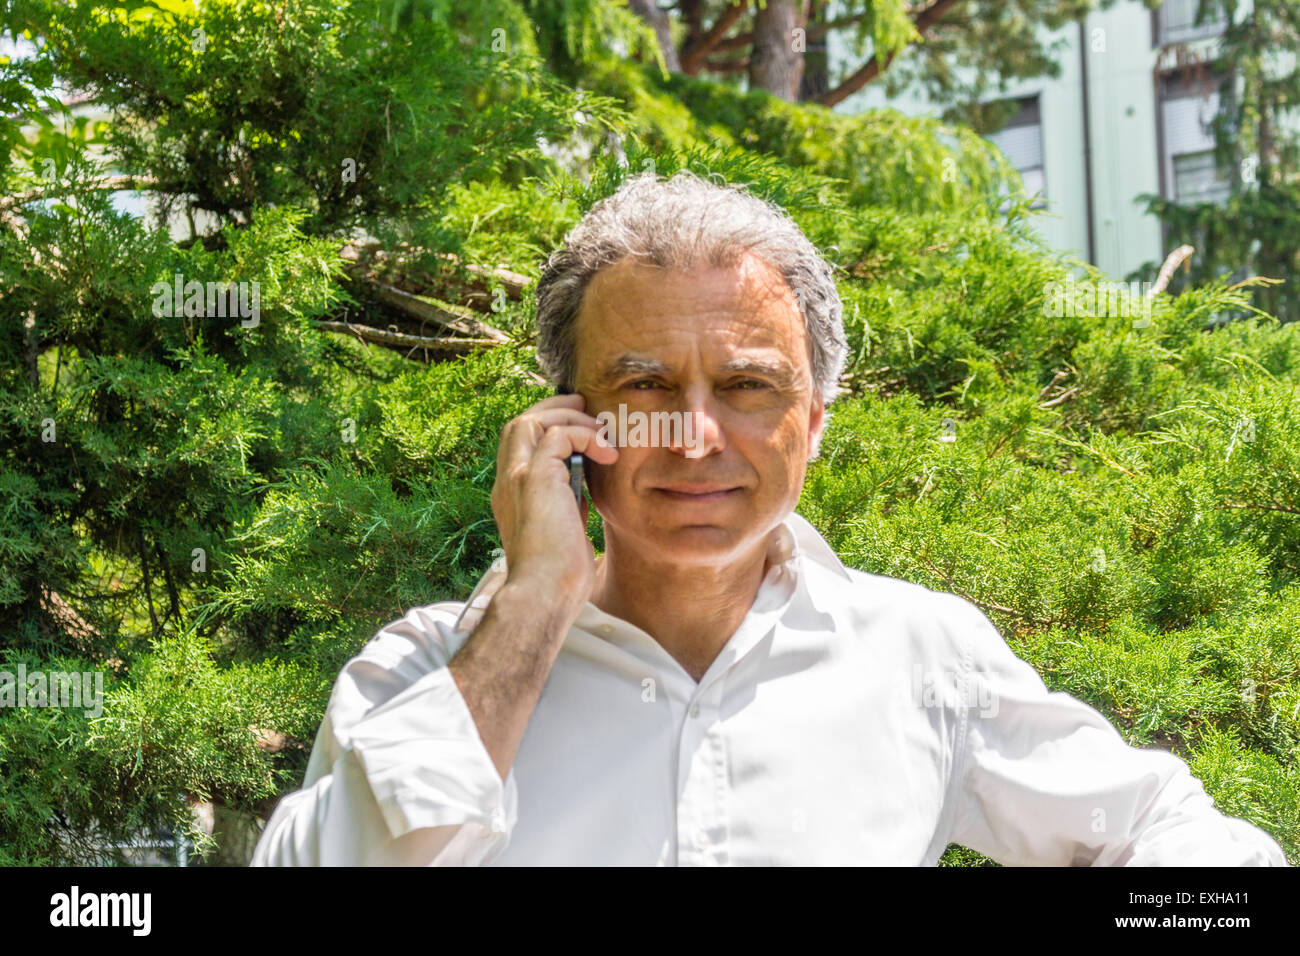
x=676, y=223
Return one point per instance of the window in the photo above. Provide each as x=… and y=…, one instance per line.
x=1187, y=107
x=1197, y=178
x=1176, y=22
x=1021, y=141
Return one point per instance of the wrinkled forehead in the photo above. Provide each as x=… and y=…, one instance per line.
x=636, y=310
x=744, y=280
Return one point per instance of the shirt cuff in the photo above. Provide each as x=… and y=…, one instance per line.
x=426, y=763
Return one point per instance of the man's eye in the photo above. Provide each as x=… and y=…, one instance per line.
x=643, y=384
x=749, y=384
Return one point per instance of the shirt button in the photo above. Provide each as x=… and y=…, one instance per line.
x=702, y=838
x=606, y=630
x=695, y=710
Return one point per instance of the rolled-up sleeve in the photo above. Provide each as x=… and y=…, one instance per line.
x=1042, y=779
x=398, y=774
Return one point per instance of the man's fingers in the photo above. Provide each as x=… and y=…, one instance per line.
x=561, y=441
x=572, y=400
x=560, y=416
x=522, y=435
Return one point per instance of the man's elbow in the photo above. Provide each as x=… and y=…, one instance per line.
x=1197, y=833
x=291, y=836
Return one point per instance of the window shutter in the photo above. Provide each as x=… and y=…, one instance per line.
x=1022, y=145
x=1186, y=124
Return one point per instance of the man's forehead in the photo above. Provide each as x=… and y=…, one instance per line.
x=640, y=318
x=750, y=280
x=636, y=300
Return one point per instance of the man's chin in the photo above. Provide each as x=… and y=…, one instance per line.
x=704, y=545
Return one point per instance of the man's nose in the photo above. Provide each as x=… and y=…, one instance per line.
x=701, y=432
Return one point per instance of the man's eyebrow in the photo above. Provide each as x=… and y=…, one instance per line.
x=626, y=365
x=778, y=371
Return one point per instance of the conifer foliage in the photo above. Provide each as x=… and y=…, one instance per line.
x=244, y=429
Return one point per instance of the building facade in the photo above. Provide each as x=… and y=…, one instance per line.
x=1127, y=115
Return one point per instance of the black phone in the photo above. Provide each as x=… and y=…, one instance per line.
x=575, y=466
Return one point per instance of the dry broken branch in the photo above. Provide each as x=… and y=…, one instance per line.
x=1059, y=398
x=1171, y=264
x=368, y=257
x=1062, y=373
x=402, y=340
x=426, y=311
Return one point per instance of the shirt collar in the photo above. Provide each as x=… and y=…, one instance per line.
x=810, y=545
x=791, y=543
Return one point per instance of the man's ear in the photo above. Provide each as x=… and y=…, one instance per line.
x=816, y=422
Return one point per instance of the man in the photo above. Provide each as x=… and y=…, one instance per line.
x=717, y=688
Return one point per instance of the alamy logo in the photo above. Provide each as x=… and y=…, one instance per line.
x=1082, y=298
x=639, y=429
x=102, y=909
x=929, y=689
x=209, y=300
x=71, y=689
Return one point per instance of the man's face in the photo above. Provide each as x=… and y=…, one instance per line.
x=728, y=346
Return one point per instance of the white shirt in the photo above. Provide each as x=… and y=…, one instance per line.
x=851, y=719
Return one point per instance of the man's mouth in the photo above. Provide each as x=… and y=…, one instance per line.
x=700, y=493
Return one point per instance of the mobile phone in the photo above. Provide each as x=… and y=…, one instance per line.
x=575, y=477
x=575, y=466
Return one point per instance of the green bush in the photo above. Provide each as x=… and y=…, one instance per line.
x=226, y=513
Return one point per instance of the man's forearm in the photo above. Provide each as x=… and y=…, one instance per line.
x=501, y=669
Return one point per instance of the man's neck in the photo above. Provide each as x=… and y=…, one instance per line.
x=690, y=610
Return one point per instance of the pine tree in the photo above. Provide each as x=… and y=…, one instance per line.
x=214, y=511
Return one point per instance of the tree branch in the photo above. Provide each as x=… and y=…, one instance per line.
x=1170, y=266
x=693, y=59
x=926, y=18
x=1062, y=373
x=984, y=605
x=364, y=257
x=1059, y=398
x=727, y=66
x=402, y=340
x=111, y=184
x=424, y=311
x=815, y=32
x=144, y=574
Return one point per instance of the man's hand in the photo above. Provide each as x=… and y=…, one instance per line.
x=542, y=530
x=501, y=669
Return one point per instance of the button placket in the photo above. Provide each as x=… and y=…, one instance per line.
x=693, y=771
x=702, y=819
x=717, y=741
